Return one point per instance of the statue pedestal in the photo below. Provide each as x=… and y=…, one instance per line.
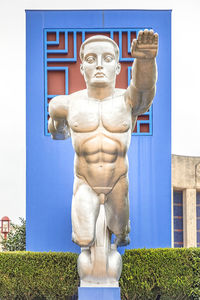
x=99, y=293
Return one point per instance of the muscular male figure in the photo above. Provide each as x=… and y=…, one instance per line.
x=100, y=121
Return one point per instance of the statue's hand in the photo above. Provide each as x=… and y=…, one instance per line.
x=146, y=45
x=58, y=129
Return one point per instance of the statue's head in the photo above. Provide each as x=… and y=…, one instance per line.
x=100, y=61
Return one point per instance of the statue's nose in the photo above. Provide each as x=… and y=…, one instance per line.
x=99, y=63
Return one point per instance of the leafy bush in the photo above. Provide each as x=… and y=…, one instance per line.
x=196, y=267
x=147, y=275
x=27, y=275
x=16, y=239
x=169, y=273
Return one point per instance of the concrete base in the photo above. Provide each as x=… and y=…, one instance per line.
x=99, y=293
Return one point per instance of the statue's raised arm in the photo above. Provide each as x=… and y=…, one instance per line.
x=141, y=91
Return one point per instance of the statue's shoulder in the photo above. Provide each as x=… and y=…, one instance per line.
x=67, y=99
x=81, y=93
x=60, y=99
x=119, y=92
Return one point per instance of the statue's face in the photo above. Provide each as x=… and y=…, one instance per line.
x=100, y=66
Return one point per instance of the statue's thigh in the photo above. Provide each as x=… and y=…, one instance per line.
x=117, y=207
x=85, y=210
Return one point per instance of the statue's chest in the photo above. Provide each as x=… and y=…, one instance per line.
x=112, y=115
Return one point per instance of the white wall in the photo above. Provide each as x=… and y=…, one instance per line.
x=185, y=84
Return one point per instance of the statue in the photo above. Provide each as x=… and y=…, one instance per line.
x=100, y=120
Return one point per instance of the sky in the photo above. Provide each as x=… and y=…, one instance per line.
x=185, y=85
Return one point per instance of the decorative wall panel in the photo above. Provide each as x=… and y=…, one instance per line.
x=62, y=65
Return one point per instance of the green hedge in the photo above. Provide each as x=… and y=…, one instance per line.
x=147, y=274
x=169, y=273
x=29, y=275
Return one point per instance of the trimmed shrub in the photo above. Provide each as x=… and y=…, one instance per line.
x=196, y=267
x=148, y=274
x=29, y=275
x=169, y=273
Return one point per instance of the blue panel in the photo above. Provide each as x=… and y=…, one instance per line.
x=99, y=293
x=160, y=20
x=70, y=18
x=50, y=163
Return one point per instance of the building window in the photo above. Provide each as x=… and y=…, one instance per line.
x=198, y=218
x=178, y=219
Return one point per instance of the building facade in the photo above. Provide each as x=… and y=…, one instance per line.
x=186, y=201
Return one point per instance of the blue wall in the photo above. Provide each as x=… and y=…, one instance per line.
x=50, y=163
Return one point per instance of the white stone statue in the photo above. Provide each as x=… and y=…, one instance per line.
x=100, y=120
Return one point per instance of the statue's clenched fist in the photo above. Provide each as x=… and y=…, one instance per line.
x=146, y=45
x=58, y=129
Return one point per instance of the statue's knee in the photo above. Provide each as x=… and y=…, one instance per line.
x=83, y=241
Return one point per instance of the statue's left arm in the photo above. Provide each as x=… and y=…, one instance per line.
x=142, y=88
x=58, y=112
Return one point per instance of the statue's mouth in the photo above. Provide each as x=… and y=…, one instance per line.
x=99, y=74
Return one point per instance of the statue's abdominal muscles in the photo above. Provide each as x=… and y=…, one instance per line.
x=102, y=159
x=101, y=141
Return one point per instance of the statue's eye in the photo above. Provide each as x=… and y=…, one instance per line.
x=108, y=58
x=90, y=59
